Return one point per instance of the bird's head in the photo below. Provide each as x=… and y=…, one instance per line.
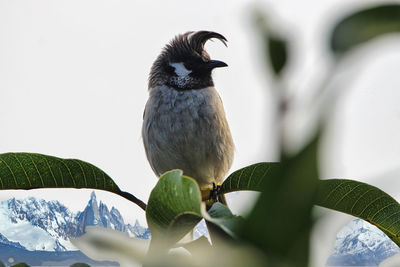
x=184, y=64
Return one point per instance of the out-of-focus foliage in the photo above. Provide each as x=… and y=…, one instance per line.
x=277, y=230
x=79, y=264
x=286, y=198
x=391, y=262
x=21, y=264
x=275, y=46
x=363, y=26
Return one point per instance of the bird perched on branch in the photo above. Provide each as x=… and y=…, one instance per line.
x=184, y=123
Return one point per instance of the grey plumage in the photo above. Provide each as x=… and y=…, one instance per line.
x=184, y=123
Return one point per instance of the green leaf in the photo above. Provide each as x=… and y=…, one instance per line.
x=249, y=178
x=364, y=201
x=174, y=207
x=221, y=215
x=29, y=171
x=32, y=171
x=363, y=26
x=352, y=197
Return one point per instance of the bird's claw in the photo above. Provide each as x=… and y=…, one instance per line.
x=214, y=193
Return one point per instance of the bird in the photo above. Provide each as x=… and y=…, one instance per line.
x=184, y=122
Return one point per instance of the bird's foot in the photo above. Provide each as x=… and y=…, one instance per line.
x=215, y=195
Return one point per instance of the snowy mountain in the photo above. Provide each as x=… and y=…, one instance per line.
x=4, y=241
x=360, y=243
x=37, y=224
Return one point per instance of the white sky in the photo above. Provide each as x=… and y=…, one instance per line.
x=73, y=84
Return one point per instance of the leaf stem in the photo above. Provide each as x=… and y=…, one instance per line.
x=133, y=199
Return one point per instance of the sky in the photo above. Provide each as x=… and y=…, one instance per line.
x=73, y=84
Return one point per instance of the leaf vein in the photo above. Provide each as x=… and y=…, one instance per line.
x=23, y=169
x=333, y=190
x=52, y=174
x=240, y=177
x=94, y=175
x=358, y=199
x=37, y=170
x=370, y=203
x=397, y=212
x=263, y=176
x=69, y=170
x=12, y=173
x=345, y=195
x=1, y=181
x=251, y=175
x=62, y=176
x=385, y=207
x=80, y=166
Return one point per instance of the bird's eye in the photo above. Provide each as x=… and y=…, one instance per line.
x=170, y=69
x=189, y=65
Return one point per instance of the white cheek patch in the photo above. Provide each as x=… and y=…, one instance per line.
x=180, y=69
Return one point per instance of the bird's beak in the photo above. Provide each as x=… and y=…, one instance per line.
x=216, y=64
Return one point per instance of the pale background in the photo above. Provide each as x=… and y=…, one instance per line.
x=73, y=84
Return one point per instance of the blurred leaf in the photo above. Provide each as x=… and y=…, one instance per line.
x=174, y=207
x=277, y=50
x=2, y=264
x=21, y=264
x=104, y=244
x=364, y=25
x=393, y=261
x=249, y=178
x=197, y=245
x=31, y=171
x=79, y=264
x=275, y=47
x=280, y=222
x=364, y=201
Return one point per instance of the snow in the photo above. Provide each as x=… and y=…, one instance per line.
x=361, y=243
x=368, y=237
x=46, y=225
x=29, y=236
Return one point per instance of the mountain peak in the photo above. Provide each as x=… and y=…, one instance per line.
x=38, y=224
x=93, y=197
x=361, y=243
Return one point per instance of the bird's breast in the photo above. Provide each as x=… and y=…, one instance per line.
x=187, y=130
x=189, y=110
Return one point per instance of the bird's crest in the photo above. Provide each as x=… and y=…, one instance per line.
x=198, y=39
x=192, y=42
